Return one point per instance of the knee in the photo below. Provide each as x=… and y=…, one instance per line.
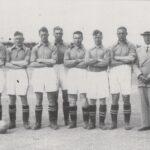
x=38, y=103
x=92, y=101
x=39, y=96
x=72, y=100
x=126, y=99
x=24, y=100
x=65, y=95
x=12, y=99
x=83, y=97
x=115, y=99
x=52, y=96
x=85, y=103
x=103, y=101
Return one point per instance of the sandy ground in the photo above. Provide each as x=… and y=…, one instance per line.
x=74, y=139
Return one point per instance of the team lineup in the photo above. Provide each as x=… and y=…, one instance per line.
x=86, y=75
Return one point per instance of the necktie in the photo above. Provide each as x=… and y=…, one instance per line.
x=147, y=49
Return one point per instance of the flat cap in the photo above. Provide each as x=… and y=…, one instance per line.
x=146, y=33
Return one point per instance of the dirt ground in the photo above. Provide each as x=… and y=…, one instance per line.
x=74, y=139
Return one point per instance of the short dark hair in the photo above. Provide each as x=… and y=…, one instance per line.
x=57, y=28
x=18, y=33
x=43, y=29
x=95, y=32
x=122, y=28
x=78, y=32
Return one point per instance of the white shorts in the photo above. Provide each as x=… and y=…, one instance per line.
x=61, y=72
x=2, y=80
x=97, y=85
x=120, y=79
x=76, y=80
x=17, y=82
x=44, y=79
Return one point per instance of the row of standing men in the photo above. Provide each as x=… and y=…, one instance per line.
x=79, y=73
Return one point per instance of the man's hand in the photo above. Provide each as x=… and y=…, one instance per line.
x=148, y=78
x=79, y=60
x=143, y=79
x=100, y=60
x=39, y=60
x=116, y=57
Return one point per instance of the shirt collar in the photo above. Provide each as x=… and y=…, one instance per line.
x=77, y=47
x=147, y=45
x=126, y=42
x=61, y=42
x=44, y=44
x=99, y=46
x=18, y=48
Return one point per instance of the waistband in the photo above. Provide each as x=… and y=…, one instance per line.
x=59, y=63
x=97, y=69
x=117, y=65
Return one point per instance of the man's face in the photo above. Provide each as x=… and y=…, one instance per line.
x=146, y=39
x=121, y=33
x=44, y=36
x=98, y=39
x=18, y=40
x=77, y=39
x=58, y=35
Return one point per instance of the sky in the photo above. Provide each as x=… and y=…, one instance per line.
x=28, y=16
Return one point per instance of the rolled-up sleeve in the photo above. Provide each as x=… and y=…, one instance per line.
x=67, y=60
x=8, y=55
x=136, y=67
x=132, y=51
x=33, y=54
x=54, y=54
x=28, y=55
x=107, y=56
x=3, y=52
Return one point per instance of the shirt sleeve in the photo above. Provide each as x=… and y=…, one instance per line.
x=28, y=54
x=87, y=55
x=8, y=55
x=54, y=53
x=3, y=52
x=107, y=55
x=136, y=66
x=33, y=54
x=132, y=51
x=66, y=55
x=113, y=62
x=68, y=62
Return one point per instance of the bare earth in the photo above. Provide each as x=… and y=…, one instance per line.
x=74, y=139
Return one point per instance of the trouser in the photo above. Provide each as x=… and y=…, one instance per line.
x=145, y=106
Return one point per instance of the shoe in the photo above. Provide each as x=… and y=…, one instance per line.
x=54, y=126
x=102, y=126
x=72, y=125
x=144, y=128
x=91, y=126
x=85, y=125
x=12, y=125
x=127, y=126
x=113, y=126
x=37, y=126
x=27, y=125
x=66, y=122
